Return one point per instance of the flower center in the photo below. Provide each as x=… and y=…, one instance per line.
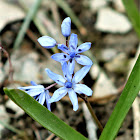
x=68, y=85
x=72, y=54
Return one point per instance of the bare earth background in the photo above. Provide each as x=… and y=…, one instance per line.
x=114, y=47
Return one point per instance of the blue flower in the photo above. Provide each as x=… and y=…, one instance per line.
x=39, y=91
x=66, y=27
x=73, y=53
x=47, y=42
x=70, y=85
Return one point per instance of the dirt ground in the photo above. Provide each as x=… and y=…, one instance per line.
x=123, y=48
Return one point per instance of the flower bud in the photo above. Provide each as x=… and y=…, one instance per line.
x=47, y=42
x=66, y=27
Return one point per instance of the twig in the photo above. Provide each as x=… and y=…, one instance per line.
x=34, y=39
x=10, y=63
x=91, y=112
x=36, y=132
x=55, y=13
x=50, y=137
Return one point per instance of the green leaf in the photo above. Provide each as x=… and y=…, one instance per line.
x=42, y=115
x=133, y=14
x=124, y=104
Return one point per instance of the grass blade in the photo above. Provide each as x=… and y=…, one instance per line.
x=26, y=23
x=123, y=105
x=133, y=14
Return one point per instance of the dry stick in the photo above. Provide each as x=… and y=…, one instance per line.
x=92, y=112
x=50, y=137
x=36, y=132
x=34, y=39
x=10, y=63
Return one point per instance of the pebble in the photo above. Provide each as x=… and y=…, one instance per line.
x=95, y=5
x=111, y=21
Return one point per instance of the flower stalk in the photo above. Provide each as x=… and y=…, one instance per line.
x=92, y=112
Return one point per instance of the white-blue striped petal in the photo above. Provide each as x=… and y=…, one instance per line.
x=46, y=42
x=66, y=73
x=47, y=96
x=79, y=75
x=63, y=48
x=82, y=89
x=42, y=98
x=60, y=57
x=57, y=78
x=73, y=42
x=71, y=65
x=65, y=69
x=31, y=87
x=83, y=60
x=34, y=92
x=83, y=47
x=66, y=27
x=73, y=98
x=58, y=94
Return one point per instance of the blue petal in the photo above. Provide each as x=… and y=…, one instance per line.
x=66, y=73
x=31, y=87
x=34, y=92
x=57, y=78
x=79, y=75
x=66, y=27
x=60, y=57
x=47, y=96
x=83, y=60
x=46, y=42
x=63, y=48
x=64, y=69
x=73, y=42
x=42, y=98
x=83, y=47
x=83, y=89
x=73, y=98
x=71, y=65
x=33, y=83
x=58, y=94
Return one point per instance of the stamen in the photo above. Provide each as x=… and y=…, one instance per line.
x=68, y=85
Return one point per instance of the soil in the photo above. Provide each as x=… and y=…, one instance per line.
x=122, y=43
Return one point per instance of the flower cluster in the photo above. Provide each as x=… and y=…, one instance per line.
x=69, y=81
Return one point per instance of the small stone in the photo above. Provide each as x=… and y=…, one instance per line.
x=10, y=104
x=111, y=21
x=94, y=72
x=4, y=118
x=104, y=86
x=108, y=54
x=119, y=5
x=119, y=64
x=97, y=4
